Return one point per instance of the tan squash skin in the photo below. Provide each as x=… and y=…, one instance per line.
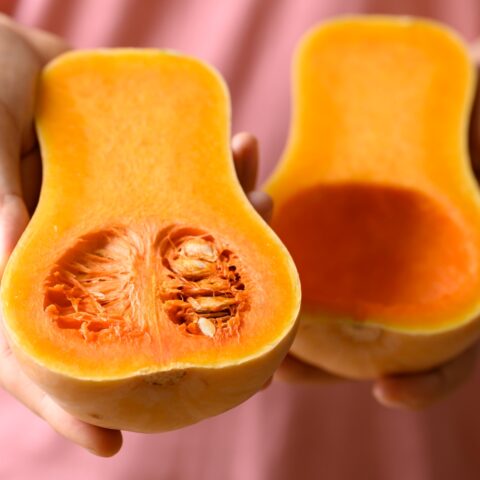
x=375, y=198
x=365, y=352
x=146, y=293
x=161, y=401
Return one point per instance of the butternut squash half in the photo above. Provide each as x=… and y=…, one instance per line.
x=146, y=293
x=375, y=197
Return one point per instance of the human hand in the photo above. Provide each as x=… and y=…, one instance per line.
x=23, y=52
x=245, y=158
x=411, y=391
x=417, y=390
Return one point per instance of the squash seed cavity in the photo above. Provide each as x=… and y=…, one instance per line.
x=104, y=284
x=202, y=288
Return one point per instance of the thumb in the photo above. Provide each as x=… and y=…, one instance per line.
x=22, y=53
x=13, y=220
x=13, y=213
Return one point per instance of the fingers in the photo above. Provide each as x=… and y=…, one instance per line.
x=245, y=158
x=9, y=152
x=262, y=202
x=296, y=371
x=474, y=133
x=45, y=44
x=422, y=389
x=267, y=383
x=31, y=178
x=22, y=54
x=98, y=440
x=13, y=213
x=13, y=220
x=19, y=66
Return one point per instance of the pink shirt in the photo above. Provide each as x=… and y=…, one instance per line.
x=288, y=431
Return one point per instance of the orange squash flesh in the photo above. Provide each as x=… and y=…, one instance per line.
x=146, y=293
x=375, y=198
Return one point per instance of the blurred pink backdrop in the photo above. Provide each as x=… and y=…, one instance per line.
x=288, y=431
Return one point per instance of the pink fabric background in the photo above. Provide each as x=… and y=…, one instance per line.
x=287, y=432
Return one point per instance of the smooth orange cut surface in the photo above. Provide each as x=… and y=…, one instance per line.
x=374, y=196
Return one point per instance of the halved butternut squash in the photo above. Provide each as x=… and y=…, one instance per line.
x=375, y=198
x=146, y=293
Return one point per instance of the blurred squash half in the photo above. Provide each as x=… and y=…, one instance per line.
x=375, y=197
